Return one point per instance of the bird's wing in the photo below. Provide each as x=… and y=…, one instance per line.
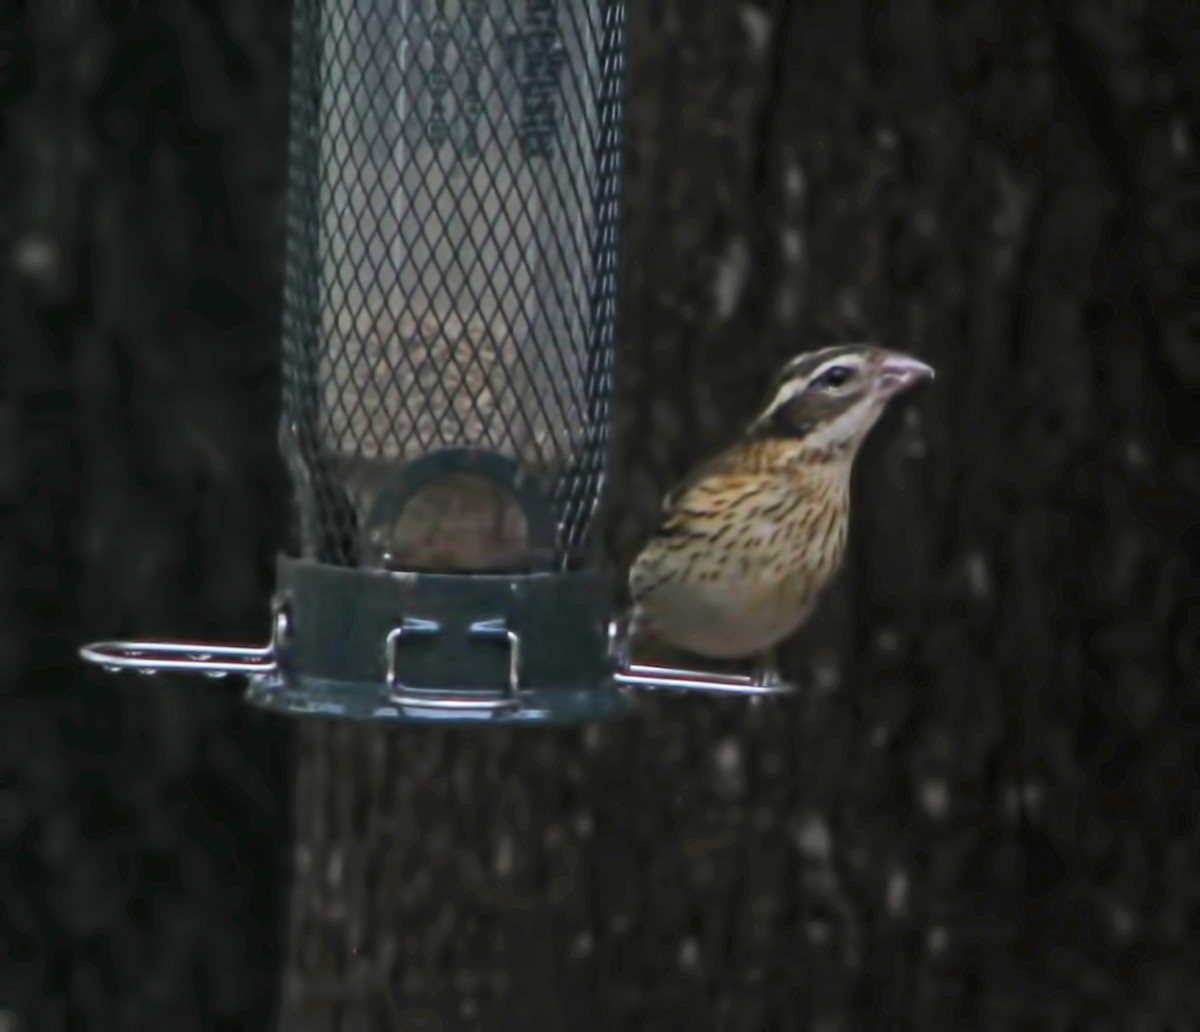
x=727, y=480
x=685, y=505
x=723, y=462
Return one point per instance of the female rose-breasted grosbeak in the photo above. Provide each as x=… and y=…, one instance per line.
x=749, y=541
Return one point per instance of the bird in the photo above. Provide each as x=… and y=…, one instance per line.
x=746, y=544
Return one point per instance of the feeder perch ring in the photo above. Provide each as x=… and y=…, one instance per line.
x=222, y=661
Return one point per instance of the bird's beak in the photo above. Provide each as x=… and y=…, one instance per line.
x=900, y=372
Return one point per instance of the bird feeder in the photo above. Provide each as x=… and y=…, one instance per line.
x=449, y=308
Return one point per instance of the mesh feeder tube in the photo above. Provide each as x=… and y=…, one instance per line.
x=451, y=266
x=449, y=309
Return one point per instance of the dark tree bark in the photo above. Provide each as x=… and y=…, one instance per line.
x=142, y=823
x=941, y=831
x=979, y=810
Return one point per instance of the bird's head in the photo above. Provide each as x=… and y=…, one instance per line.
x=829, y=399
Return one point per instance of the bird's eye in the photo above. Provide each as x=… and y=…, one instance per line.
x=834, y=376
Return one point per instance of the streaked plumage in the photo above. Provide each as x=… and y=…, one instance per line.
x=747, y=543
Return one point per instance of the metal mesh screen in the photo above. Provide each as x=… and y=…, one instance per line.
x=451, y=262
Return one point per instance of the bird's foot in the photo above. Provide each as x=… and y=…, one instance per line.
x=624, y=630
x=766, y=671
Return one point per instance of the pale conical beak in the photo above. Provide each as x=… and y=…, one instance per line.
x=900, y=372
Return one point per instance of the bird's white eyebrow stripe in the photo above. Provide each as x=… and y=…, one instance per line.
x=793, y=387
x=848, y=354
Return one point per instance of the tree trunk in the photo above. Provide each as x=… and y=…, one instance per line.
x=936, y=832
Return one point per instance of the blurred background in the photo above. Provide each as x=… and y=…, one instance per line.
x=978, y=812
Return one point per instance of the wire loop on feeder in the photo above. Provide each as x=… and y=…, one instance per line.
x=438, y=698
